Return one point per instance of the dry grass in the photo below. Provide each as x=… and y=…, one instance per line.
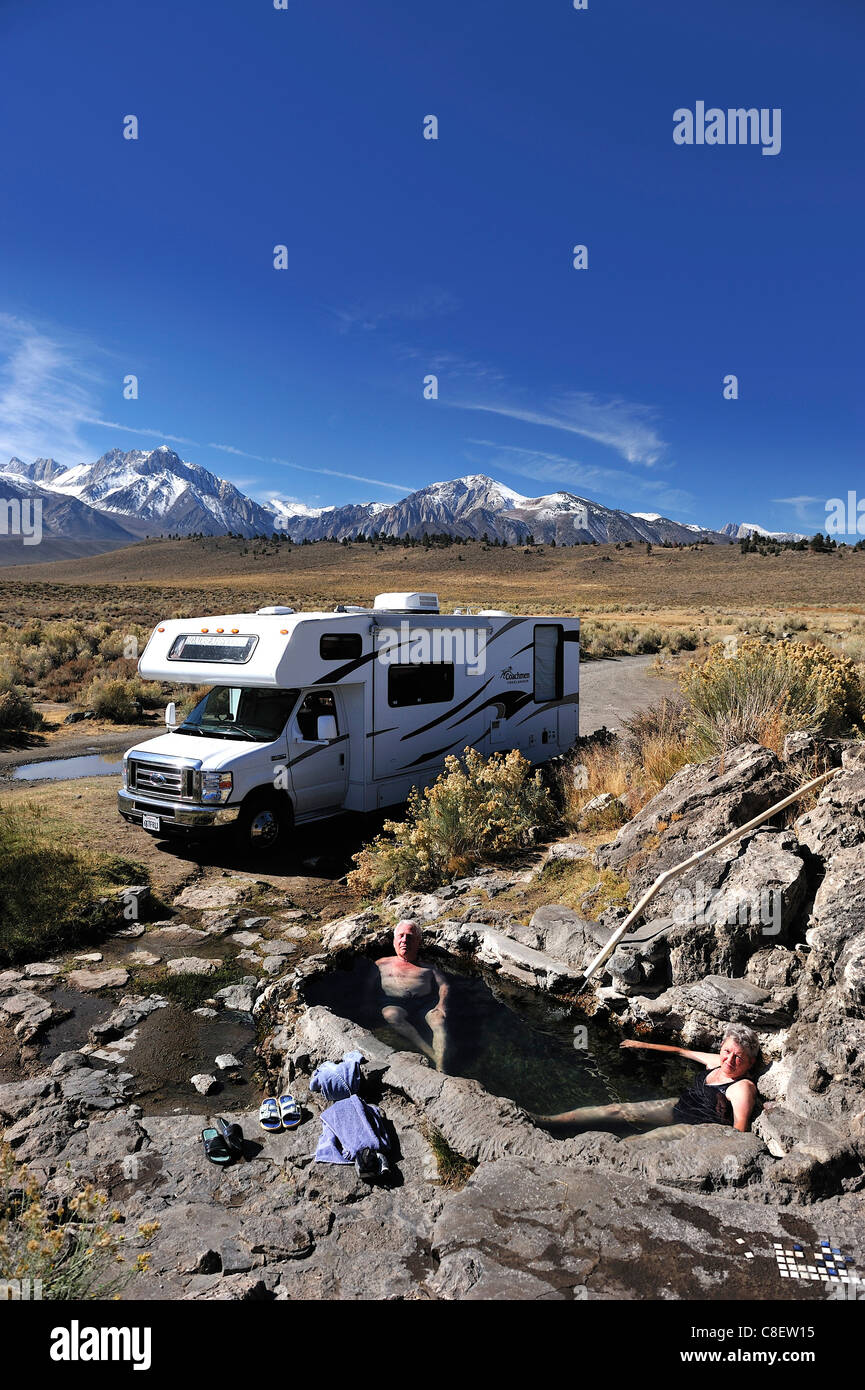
x=704, y=589
x=652, y=748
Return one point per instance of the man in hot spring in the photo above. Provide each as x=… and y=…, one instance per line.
x=414, y=995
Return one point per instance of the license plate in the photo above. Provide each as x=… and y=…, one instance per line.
x=150, y=822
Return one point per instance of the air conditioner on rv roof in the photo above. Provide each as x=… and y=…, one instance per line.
x=407, y=603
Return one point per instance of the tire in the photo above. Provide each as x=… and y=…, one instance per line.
x=263, y=824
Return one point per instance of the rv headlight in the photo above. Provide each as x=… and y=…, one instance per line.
x=216, y=786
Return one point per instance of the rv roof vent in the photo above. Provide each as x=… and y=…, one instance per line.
x=407, y=603
x=276, y=610
x=492, y=613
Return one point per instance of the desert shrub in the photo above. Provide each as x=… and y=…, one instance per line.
x=73, y=1246
x=768, y=689
x=114, y=700
x=53, y=894
x=16, y=710
x=478, y=810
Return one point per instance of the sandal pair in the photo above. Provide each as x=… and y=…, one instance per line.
x=224, y=1143
x=274, y=1115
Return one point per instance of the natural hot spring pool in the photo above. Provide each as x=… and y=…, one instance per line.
x=517, y=1042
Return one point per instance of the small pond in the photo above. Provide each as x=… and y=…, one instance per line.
x=65, y=769
x=516, y=1042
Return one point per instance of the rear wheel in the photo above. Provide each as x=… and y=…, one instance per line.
x=263, y=823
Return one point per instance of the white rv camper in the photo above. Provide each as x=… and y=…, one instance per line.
x=311, y=714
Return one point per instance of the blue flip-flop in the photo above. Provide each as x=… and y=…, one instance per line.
x=268, y=1115
x=289, y=1112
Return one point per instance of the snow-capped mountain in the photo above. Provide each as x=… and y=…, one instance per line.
x=740, y=529
x=151, y=492
x=39, y=471
x=156, y=491
x=477, y=505
x=65, y=526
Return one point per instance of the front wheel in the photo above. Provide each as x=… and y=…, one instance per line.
x=263, y=824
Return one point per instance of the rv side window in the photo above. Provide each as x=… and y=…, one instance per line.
x=212, y=647
x=427, y=683
x=340, y=646
x=317, y=703
x=548, y=662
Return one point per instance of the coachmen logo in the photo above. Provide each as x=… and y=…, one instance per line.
x=509, y=674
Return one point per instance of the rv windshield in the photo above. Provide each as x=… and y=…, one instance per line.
x=230, y=711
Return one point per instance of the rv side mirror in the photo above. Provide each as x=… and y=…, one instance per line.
x=171, y=715
x=326, y=728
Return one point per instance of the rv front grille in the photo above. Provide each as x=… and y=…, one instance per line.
x=161, y=779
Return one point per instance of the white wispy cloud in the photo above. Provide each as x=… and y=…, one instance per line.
x=46, y=392
x=307, y=468
x=584, y=478
x=622, y=425
x=427, y=303
x=804, y=506
x=139, y=429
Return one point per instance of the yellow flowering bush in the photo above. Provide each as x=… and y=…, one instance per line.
x=478, y=810
x=764, y=690
x=69, y=1247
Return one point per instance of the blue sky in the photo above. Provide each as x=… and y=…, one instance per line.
x=303, y=127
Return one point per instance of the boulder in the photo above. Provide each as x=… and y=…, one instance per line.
x=45, y=969
x=113, y=978
x=350, y=930
x=560, y=932
x=222, y=893
x=698, y=805
x=836, y=927
x=204, y=1083
x=175, y=934
x=128, y=1015
x=226, y=1060
x=838, y=820
x=193, y=965
x=240, y=997
x=27, y=1014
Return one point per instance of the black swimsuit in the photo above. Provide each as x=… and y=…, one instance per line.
x=703, y=1104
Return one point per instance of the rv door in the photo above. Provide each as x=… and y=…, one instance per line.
x=317, y=753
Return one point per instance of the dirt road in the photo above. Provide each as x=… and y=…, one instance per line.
x=614, y=689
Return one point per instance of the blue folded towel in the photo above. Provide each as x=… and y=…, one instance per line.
x=337, y=1080
x=349, y=1126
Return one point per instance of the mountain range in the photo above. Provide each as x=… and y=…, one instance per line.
x=125, y=496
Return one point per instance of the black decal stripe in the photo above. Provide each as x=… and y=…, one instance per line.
x=572, y=635
x=292, y=762
x=514, y=622
x=447, y=714
x=436, y=753
x=346, y=669
x=573, y=699
x=511, y=699
x=373, y=733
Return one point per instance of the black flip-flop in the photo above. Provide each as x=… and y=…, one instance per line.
x=233, y=1136
x=215, y=1147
